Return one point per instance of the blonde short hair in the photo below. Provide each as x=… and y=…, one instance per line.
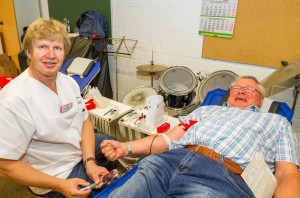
x=48, y=29
x=260, y=87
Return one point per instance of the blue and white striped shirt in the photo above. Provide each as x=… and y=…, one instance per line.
x=239, y=134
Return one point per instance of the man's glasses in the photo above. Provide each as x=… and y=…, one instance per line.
x=247, y=89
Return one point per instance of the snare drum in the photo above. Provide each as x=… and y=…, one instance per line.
x=177, y=85
x=220, y=79
x=137, y=98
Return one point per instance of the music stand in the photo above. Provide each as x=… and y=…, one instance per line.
x=120, y=46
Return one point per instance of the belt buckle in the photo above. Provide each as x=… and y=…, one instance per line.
x=199, y=147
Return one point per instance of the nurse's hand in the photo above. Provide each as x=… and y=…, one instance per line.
x=95, y=173
x=71, y=188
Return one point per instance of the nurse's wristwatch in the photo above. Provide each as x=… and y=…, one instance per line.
x=87, y=160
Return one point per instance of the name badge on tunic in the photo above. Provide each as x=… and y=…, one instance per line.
x=66, y=108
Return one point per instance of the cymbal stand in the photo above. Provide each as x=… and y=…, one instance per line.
x=152, y=73
x=297, y=90
x=152, y=78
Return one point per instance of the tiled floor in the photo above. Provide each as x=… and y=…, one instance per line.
x=10, y=189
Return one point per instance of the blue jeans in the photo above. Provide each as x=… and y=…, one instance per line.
x=79, y=170
x=182, y=173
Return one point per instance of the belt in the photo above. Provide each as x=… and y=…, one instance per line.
x=230, y=165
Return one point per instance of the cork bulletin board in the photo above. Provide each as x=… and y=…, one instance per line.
x=266, y=32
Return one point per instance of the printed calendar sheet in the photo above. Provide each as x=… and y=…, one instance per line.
x=218, y=18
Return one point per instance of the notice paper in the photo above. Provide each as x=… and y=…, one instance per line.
x=155, y=106
x=259, y=177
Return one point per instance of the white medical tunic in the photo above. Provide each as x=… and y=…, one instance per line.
x=41, y=128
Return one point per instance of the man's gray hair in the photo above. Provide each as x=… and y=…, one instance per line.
x=261, y=88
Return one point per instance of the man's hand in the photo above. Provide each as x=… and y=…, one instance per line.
x=113, y=150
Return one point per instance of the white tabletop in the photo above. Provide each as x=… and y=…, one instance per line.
x=144, y=127
x=106, y=113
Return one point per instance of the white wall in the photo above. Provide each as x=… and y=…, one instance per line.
x=169, y=28
x=44, y=8
x=26, y=12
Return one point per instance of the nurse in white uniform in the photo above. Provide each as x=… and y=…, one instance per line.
x=47, y=140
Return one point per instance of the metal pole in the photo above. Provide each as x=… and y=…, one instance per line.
x=297, y=87
x=152, y=74
x=116, y=57
x=117, y=94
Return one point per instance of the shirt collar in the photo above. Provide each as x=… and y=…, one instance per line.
x=250, y=108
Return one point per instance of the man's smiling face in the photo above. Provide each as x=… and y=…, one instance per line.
x=46, y=57
x=245, y=93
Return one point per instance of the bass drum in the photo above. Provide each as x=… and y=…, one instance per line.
x=220, y=79
x=177, y=85
x=137, y=98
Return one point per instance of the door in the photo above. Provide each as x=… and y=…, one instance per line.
x=9, y=30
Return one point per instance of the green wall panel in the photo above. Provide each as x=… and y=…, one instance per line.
x=72, y=9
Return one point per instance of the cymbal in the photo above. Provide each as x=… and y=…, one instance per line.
x=151, y=69
x=148, y=73
x=282, y=74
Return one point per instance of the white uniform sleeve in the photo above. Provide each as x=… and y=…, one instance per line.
x=16, y=129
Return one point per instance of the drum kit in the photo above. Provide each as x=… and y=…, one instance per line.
x=181, y=89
